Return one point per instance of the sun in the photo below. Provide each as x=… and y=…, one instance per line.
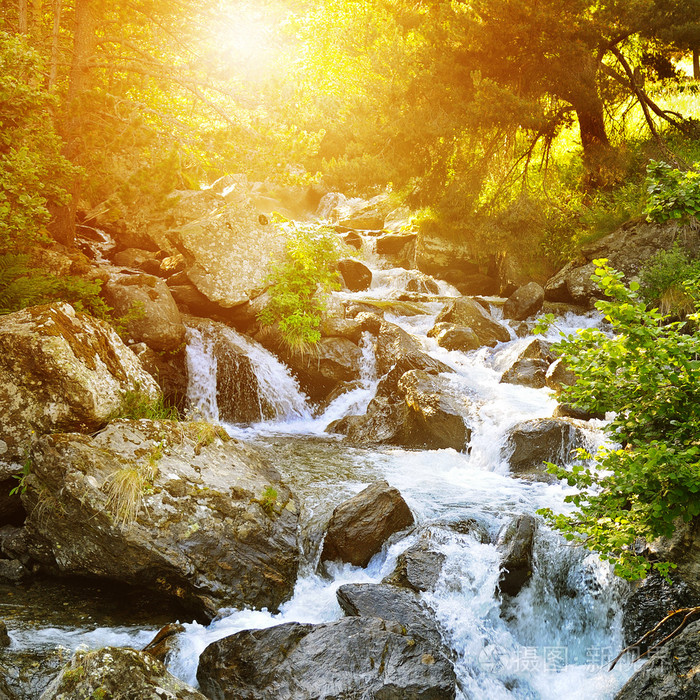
x=245, y=38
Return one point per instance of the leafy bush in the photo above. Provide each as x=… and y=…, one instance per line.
x=647, y=373
x=664, y=281
x=673, y=193
x=299, y=284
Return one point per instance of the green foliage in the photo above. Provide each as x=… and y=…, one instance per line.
x=664, y=281
x=298, y=285
x=268, y=500
x=136, y=405
x=647, y=372
x=22, y=478
x=673, y=193
x=33, y=173
x=22, y=286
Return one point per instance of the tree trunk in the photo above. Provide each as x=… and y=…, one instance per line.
x=23, y=17
x=53, y=69
x=62, y=226
x=696, y=63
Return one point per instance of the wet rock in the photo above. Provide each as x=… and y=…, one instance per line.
x=435, y=417
x=651, y=601
x=468, y=312
x=25, y=673
x=437, y=253
x=671, y=673
x=146, y=301
x=179, y=508
x=60, y=371
x=533, y=442
x=524, y=302
x=453, y=337
x=394, y=243
x=165, y=641
x=332, y=362
x=527, y=372
x=4, y=636
x=115, y=672
x=359, y=527
x=353, y=239
x=390, y=602
x=559, y=376
x=395, y=346
x=418, y=568
x=356, y=276
x=133, y=257
x=412, y=408
x=350, y=658
x=12, y=571
x=477, y=284
x=515, y=543
x=365, y=221
x=422, y=284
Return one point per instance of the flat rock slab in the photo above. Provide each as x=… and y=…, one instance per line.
x=354, y=658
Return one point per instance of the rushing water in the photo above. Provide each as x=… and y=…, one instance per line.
x=552, y=641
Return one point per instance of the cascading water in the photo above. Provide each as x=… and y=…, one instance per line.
x=551, y=641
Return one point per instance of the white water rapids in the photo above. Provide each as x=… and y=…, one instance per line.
x=553, y=641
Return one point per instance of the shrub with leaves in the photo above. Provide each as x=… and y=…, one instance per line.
x=673, y=193
x=665, y=278
x=647, y=372
x=299, y=284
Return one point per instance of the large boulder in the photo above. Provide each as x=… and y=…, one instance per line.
x=672, y=672
x=359, y=527
x=515, y=544
x=683, y=549
x=531, y=365
x=114, y=672
x=436, y=253
x=151, y=314
x=177, y=507
x=226, y=249
x=525, y=301
x=532, y=442
x=61, y=371
x=628, y=249
x=465, y=311
x=351, y=658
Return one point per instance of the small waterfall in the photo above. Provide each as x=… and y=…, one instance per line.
x=201, y=369
x=251, y=381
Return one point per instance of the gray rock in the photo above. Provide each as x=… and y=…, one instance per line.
x=12, y=571
x=515, y=542
x=531, y=443
x=465, y=311
x=683, y=549
x=453, y=337
x=147, y=302
x=524, y=302
x=392, y=603
x=671, y=674
x=117, y=673
x=527, y=372
x=353, y=658
x=418, y=568
x=176, y=507
x=61, y=371
x=359, y=527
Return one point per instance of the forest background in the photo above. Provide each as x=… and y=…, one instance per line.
x=524, y=125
